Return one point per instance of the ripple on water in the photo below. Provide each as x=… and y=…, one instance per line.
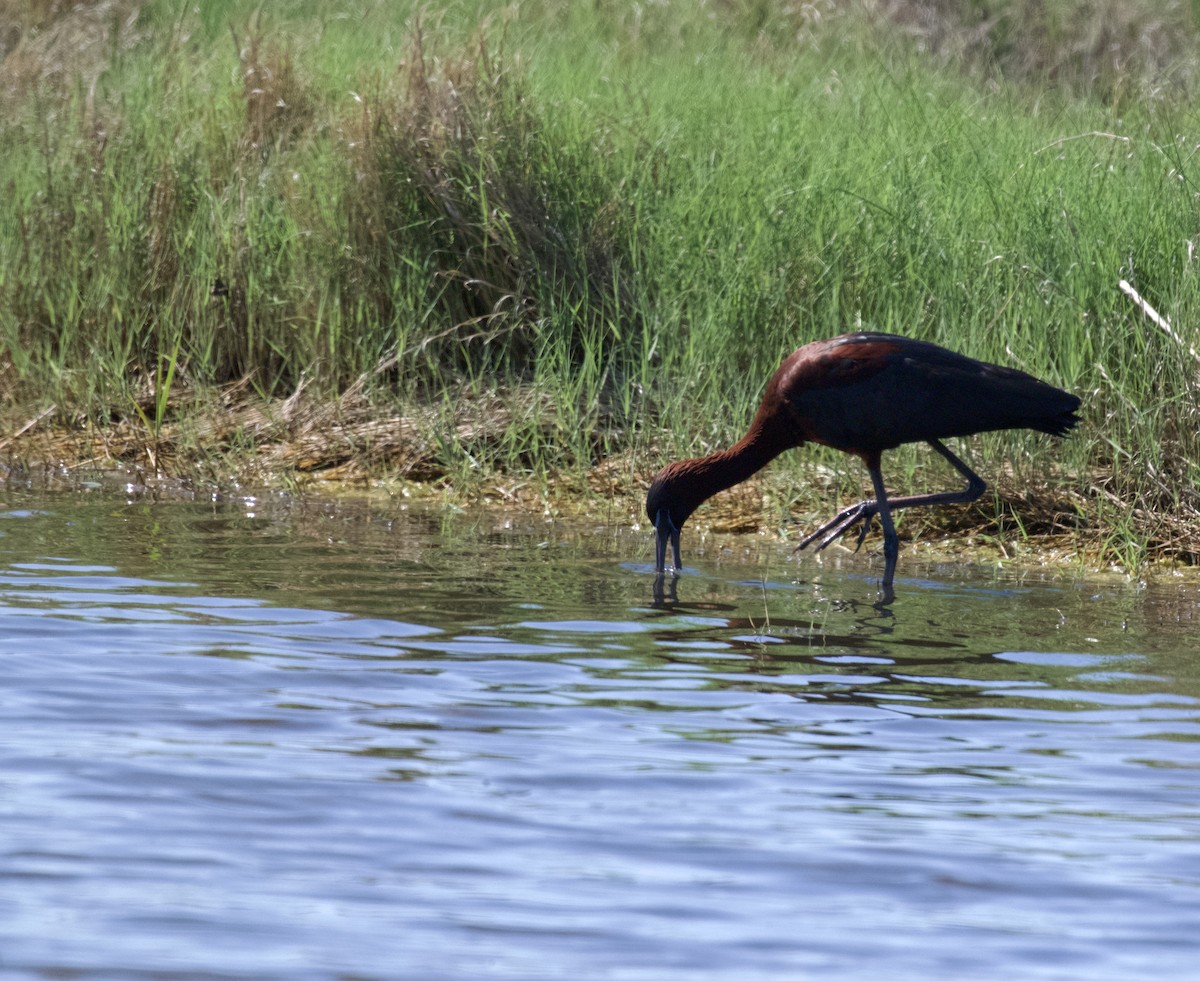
x=319, y=745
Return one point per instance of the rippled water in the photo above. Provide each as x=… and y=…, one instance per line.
x=251, y=740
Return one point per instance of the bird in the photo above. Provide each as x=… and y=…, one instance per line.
x=864, y=393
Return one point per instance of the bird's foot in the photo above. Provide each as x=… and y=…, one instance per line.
x=841, y=523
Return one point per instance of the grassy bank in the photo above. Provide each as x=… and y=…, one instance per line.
x=553, y=244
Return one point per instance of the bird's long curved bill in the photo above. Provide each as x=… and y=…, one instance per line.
x=666, y=531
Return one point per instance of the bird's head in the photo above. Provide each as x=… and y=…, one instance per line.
x=668, y=506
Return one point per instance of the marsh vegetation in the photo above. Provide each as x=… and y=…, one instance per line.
x=533, y=250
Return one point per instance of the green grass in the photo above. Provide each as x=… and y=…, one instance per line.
x=617, y=218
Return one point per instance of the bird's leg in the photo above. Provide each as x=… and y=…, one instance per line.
x=891, y=542
x=847, y=518
x=865, y=511
x=975, y=485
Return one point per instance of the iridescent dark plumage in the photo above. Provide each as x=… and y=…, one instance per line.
x=863, y=394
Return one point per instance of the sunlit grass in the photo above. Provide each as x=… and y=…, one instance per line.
x=612, y=225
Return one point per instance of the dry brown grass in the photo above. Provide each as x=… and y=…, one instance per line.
x=235, y=438
x=278, y=104
x=454, y=158
x=46, y=45
x=235, y=435
x=1103, y=47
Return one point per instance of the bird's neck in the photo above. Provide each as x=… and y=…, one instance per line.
x=721, y=470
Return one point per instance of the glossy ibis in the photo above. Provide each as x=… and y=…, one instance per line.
x=864, y=393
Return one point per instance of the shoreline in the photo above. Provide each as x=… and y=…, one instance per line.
x=221, y=445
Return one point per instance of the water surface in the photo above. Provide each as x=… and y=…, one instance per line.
x=262, y=739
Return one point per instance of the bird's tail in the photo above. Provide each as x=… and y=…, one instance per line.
x=1061, y=423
